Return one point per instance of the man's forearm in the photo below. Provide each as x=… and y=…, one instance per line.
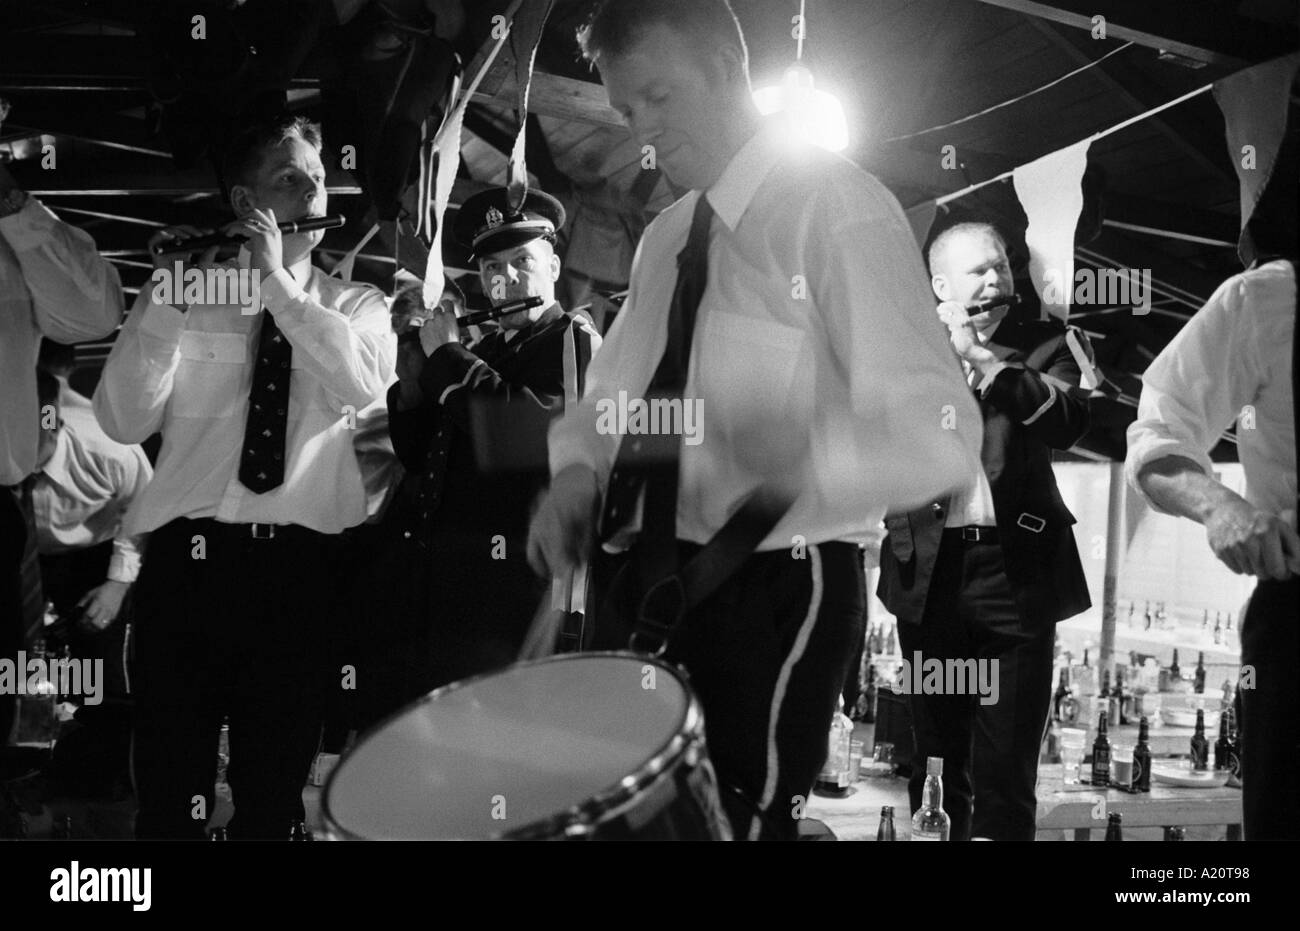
x=1178, y=485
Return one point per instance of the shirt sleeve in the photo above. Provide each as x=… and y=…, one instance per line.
x=131, y=474
x=140, y=372
x=625, y=362
x=351, y=349
x=912, y=430
x=76, y=293
x=1196, y=387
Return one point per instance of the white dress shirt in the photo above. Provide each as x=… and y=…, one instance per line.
x=82, y=494
x=972, y=505
x=818, y=360
x=52, y=283
x=189, y=375
x=1235, y=352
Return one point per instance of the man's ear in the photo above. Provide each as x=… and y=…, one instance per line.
x=555, y=267
x=241, y=200
x=942, y=287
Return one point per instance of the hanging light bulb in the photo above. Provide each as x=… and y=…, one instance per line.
x=810, y=115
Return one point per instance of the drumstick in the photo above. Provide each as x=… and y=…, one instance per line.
x=544, y=632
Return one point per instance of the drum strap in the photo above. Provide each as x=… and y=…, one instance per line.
x=663, y=606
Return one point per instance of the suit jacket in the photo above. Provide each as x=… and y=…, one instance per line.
x=1032, y=407
x=521, y=382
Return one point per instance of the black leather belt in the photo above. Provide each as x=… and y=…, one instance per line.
x=282, y=533
x=973, y=534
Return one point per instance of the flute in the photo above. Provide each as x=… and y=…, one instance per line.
x=198, y=243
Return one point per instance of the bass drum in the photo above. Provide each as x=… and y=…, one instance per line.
x=580, y=746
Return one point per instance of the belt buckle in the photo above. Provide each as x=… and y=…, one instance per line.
x=268, y=528
x=970, y=534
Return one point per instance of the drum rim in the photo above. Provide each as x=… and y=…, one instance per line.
x=578, y=820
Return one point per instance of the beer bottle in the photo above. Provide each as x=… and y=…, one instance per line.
x=1200, y=746
x=1117, y=699
x=1174, y=671
x=1234, y=754
x=1198, y=681
x=1218, y=628
x=1101, y=754
x=886, y=829
x=1146, y=620
x=1223, y=746
x=1062, y=690
x=1113, y=830
x=1142, y=759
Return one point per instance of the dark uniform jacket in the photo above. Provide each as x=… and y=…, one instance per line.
x=1032, y=407
x=445, y=490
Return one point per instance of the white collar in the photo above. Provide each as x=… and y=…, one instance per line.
x=731, y=194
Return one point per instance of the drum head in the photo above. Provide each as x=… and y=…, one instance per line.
x=488, y=756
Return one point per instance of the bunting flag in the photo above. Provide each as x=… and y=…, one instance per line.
x=1051, y=192
x=1254, y=102
x=921, y=218
x=439, y=164
x=525, y=33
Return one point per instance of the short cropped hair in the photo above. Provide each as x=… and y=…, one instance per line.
x=617, y=25
x=968, y=228
x=243, y=156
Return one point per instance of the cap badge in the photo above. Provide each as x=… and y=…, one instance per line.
x=494, y=218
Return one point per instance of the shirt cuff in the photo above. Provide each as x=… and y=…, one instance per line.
x=124, y=566
x=278, y=289
x=449, y=366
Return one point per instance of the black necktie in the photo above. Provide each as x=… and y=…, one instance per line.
x=658, y=539
x=261, y=464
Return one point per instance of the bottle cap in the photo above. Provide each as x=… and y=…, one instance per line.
x=1114, y=817
x=934, y=766
x=887, y=811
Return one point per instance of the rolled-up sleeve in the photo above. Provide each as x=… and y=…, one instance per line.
x=1196, y=387
x=76, y=293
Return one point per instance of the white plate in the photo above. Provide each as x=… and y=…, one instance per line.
x=1180, y=773
x=1179, y=717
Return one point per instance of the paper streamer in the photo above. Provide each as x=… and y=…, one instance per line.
x=1254, y=104
x=1051, y=193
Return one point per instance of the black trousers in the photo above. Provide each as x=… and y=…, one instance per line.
x=767, y=654
x=243, y=632
x=1270, y=712
x=13, y=536
x=989, y=751
x=19, y=584
x=67, y=577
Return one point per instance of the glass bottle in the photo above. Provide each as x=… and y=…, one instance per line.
x=1142, y=759
x=931, y=822
x=1200, y=746
x=1101, y=754
x=834, y=776
x=1113, y=829
x=1223, y=746
x=886, y=829
x=1062, y=690
x=1198, y=679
